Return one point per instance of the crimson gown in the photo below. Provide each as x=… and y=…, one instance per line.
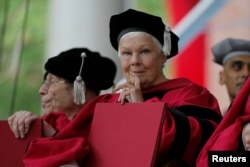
x=191, y=116
x=227, y=136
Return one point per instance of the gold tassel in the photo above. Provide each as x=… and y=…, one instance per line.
x=79, y=86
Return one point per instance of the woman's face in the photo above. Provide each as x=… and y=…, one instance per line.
x=141, y=56
x=56, y=94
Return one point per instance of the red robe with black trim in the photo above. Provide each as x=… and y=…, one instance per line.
x=191, y=116
x=227, y=136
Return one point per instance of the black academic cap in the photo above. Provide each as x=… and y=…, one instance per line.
x=98, y=72
x=230, y=47
x=132, y=20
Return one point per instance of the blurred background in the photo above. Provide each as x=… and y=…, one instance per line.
x=33, y=30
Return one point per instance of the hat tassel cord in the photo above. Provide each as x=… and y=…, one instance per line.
x=79, y=86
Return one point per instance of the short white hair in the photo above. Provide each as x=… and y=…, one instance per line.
x=137, y=33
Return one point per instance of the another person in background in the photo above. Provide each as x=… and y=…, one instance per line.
x=72, y=78
x=233, y=133
x=234, y=55
x=144, y=43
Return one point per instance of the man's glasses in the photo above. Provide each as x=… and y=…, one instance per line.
x=48, y=83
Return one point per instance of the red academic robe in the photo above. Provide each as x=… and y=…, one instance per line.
x=57, y=120
x=191, y=116
x=230, y=127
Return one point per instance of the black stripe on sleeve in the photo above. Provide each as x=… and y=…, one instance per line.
x=207, y=130
x=201, y=112
x=182, y=134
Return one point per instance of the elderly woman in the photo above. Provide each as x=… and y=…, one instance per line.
x=144, y=44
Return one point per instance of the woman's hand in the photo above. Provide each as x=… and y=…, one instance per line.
x=20, y=122
x=130, y=91
x=246, y=136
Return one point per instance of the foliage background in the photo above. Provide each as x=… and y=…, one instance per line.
x=31, y=60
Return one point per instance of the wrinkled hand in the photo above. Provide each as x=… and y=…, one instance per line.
x=20, y=122
x=246, y=136
x=130, y=91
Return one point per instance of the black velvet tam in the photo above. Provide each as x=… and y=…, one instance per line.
x=98, y=72
x=132, y=20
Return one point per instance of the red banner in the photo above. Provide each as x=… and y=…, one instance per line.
x=190, y=62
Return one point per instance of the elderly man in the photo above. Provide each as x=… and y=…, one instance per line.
x=72, y=78
x=234, y=55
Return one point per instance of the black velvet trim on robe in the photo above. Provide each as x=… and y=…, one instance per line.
x=182, y=135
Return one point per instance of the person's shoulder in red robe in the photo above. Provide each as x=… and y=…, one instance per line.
x=193, y=114
x=57, y=120
x=230, y=127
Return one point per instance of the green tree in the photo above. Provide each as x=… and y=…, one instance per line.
x=29, y=65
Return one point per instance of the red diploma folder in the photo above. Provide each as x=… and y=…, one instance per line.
x=12, y=149
x=125, y=135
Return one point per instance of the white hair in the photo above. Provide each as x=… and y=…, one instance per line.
x=138, y=33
